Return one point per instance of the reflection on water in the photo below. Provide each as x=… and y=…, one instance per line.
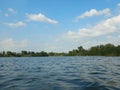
x=60, y=73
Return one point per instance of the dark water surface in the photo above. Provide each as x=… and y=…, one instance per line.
x=60, y=73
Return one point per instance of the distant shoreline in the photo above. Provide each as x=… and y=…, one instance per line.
x=53, y=56
x=100, y=50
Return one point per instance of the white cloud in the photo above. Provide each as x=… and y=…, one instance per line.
x=118, y=4
x=12, y=10
x=41, y=18
x=109, y=26
x=94, y=12
x=12, y=45
x=94, y=42
x=15, y=25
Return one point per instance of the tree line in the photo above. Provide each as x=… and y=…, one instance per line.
x=99, y=50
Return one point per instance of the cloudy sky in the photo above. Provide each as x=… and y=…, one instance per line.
x=58, y=25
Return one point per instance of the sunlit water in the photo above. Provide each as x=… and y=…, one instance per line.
x=60, y=73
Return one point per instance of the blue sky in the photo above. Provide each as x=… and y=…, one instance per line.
x=58, y=25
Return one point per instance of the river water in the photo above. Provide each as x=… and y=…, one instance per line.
x=60, y=73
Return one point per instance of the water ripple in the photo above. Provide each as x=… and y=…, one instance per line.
x=60, y=73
